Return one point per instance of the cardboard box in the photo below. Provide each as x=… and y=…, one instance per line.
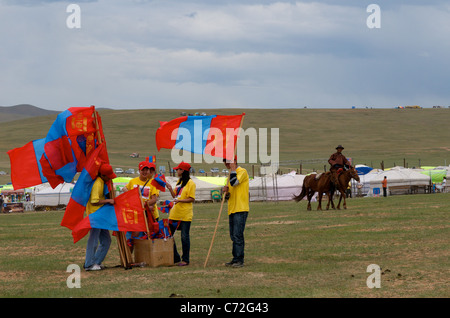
x=154, y=253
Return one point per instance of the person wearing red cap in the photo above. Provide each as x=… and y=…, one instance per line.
x=99, y=239
x=149, y=193
x=182, y=211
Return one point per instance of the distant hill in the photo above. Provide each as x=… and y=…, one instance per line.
x=17, y=112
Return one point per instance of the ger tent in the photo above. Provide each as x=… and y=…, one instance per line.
x=363, y=169
x=276, y=187
x=398, y=176
x=202, y=191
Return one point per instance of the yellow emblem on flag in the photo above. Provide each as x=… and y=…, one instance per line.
x=130, y=216
x=79, y=122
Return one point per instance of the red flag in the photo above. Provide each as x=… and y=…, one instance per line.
x=62, y=153
x=127, y=214
x=159, y=182
x=25, y=168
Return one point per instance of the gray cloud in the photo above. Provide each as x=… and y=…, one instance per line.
x=137, y=53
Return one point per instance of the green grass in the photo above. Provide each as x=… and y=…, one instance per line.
x=368, y=135
x=290, y=253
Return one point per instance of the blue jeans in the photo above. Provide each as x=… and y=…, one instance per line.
x=237, y=226
x=97, y=247
x=184, y=227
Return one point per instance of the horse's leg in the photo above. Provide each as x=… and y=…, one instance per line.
x=332, y=203
x=309, y=196
x=345, y=202
x=319, y=207
x=339, y=203
x=332, y=189
x=330, y=199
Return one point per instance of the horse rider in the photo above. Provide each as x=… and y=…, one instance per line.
x=337, y=162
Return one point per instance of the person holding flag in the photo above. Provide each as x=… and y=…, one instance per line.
x=181, y=214
x=238, y=208
x=149, y=193
x=99, y=239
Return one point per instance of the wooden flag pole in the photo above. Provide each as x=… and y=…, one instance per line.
x=145, y=216
x=223, y=196
x=97, y=127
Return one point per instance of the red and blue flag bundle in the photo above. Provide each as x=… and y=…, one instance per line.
x=61, y=154
x=151, y=159
x=166, y=206
x=127, y=214
x=160, y=230
x=159, y=182
x=214, y=135
x=83, y=187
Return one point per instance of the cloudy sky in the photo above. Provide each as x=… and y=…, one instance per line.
x=207, y=54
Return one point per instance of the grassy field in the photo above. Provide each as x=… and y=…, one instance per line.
x=290, y=253
x=368, y=135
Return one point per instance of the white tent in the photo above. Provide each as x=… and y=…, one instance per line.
x=202, y=191
x=45, y=195
x=276, y=187
x=398, y=176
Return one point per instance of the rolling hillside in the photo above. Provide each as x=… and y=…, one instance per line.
x=22, y=111
x=368, y=135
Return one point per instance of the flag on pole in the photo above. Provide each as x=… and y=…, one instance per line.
x=159, y=182
x=151, y=159
x=61, y=154
x=214, y=135
x=26, y=171
x=126, y=214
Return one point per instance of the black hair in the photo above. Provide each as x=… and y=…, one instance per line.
x=184, y=178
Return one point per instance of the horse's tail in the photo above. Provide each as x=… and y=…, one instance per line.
x=299, y=197
x=302, y=194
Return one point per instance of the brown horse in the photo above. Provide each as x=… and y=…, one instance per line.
x=343, y=180
x=311, y=185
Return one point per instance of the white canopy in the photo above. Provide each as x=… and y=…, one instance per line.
x=45, y=195
x=398, y=176
x=276, y=187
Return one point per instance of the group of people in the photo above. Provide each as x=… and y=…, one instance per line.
x=182, y=212
x=180, y=215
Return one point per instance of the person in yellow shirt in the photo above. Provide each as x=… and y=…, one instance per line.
x=181, y=214
x=99, y=239
x=238, y=208
x=149, y=193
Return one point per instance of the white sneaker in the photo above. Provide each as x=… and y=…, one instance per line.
x=94, y=267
